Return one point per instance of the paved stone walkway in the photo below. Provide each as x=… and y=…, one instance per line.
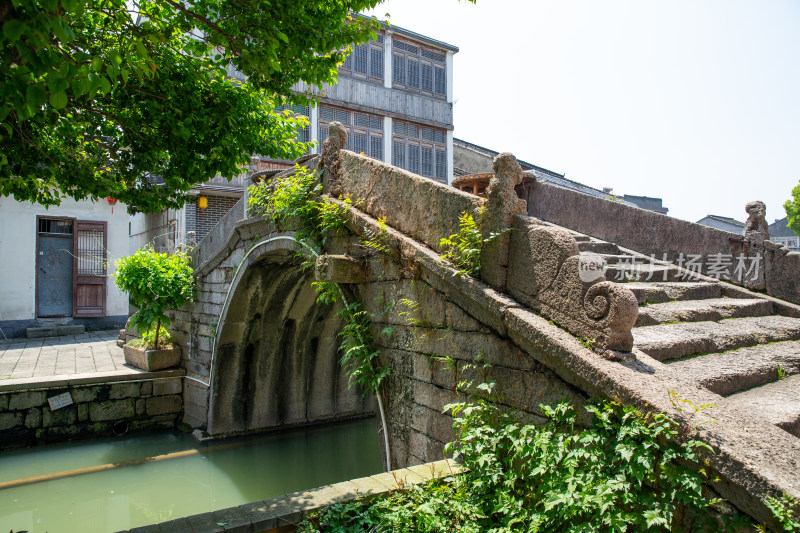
x=95, y=351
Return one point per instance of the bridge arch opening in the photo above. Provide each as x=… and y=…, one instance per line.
x=276, y=358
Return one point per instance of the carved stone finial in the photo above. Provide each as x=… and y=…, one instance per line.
x=502, y=204
x=756, y=228
x=329, y=160
x=756, y=231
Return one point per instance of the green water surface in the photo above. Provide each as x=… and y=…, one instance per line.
x=217, y=477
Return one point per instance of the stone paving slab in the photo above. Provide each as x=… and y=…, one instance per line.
x=27, y=361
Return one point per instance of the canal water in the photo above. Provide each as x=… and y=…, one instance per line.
x=111, y=485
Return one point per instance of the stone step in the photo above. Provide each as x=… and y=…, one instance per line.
x=598, y=247
x=627, y=272
x=54, y=331
x=581, y=238
x=778, y=403
x=737, y=370
x=673, y=341
x=702, y=310
x=655, y=292
x=613, y=259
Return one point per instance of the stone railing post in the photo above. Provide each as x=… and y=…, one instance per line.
x=752, y=249
x=329, y=160
x=502, y=204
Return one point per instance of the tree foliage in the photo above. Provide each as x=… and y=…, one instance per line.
x=156, y=283
x=792, y=208
x=100, y=96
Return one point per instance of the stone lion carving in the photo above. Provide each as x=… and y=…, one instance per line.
x=756, y=228
x=329, y=159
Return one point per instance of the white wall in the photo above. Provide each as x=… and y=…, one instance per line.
x=18, y=251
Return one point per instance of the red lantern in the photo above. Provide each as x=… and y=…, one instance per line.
x=111, y=201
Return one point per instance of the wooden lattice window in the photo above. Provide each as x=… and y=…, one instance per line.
x=365, y=61
x=420, y=149
x=364, y=131
x=416, y=68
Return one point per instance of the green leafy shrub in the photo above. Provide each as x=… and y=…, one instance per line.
x=781, y=509
x=627, y=472
x=297, y=197
x=463, y=249
x=156, y=283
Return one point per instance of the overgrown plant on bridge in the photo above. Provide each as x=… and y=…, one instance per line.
x=628, y=472
x=463, y=249
x=296, y=201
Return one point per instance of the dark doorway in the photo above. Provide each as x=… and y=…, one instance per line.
x=54, y=267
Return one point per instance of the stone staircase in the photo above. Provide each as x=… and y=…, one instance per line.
x=739, y=344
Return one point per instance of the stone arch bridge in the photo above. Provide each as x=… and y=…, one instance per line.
x=544, y=321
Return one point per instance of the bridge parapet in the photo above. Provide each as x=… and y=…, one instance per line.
x=437, y=329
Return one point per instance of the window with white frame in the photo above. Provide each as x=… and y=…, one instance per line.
x=418, y=69
x=420, y=149
x=790, y=242
x=365, y=61
x=364, y=131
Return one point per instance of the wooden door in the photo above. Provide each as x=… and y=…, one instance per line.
x=89, y=269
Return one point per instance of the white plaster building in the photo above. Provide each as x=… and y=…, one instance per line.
x=57, y=265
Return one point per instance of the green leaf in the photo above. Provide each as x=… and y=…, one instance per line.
x=104, y=84
x=13, y=29
x=62, y=30
x=58, y=100
x=36, y=95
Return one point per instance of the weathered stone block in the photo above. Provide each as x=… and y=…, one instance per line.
x=195, y=394
x=83, y=412
x=84, y=394
x=164, y=387
x=10, y=420
x=124, y=390
x=26, y=400
x=339, y=269
x=159, y=405
x=62, y=417
x=259, y=514
x=147, y=388
x=33, y=418
x=37, y=333
x=112, y=410
x=71, y=330
x=141, y=406
x=4, y=402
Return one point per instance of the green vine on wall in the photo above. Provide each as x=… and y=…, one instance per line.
x=296, y=200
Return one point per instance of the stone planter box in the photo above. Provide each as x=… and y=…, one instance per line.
x=152, y=359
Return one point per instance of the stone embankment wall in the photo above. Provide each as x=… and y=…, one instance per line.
x=655, y=234
x=97, y=410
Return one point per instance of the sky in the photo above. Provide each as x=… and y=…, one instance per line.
x=693, y=101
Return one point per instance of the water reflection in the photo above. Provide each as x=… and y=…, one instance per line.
x=215, y=477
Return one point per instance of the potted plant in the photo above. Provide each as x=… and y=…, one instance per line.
x=156, y=283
